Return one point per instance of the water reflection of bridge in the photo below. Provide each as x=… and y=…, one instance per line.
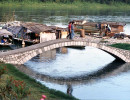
x=50, y=55
x=111, y=69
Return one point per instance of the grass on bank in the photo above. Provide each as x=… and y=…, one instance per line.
x=121, y=46
x=74, y=5
x=37, y=89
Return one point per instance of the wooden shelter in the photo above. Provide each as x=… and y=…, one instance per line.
x=115, y=28
x=33, y=30
x=47, y=36
x=5, y=37
x=60, y=32
x=93, y=28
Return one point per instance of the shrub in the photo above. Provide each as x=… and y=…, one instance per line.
x=3, y=70
x=14, y=90
x=18, y=88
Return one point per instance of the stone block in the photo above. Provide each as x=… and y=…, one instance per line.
x=54, y=46
x=66, y=43
x=69, y=43
x=84, y=43
x=60, y=44
x=57, y=46
x=45, y=49
x=89, y=44
x=20, y=63
x=34, y=54
x=120, y=55
x=29, y=56
x=106, y=48
x=81, y=43
x=48, y=48
x=75, y=43
x=40, y=51
x=102, y=47
x=15, y=62
x=63, y=44
x=36, y=50
x=51, y=47
x=124, y=58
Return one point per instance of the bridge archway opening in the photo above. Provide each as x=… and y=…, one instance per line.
x=83, y=47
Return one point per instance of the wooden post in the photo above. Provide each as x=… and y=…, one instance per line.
x=82, y=33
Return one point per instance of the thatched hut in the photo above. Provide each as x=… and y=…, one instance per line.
x=33, y=30
x=5, y=37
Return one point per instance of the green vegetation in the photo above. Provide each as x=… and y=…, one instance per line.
x=36, y=89
x=121, y=46
x=64, y=4
x=69, y=1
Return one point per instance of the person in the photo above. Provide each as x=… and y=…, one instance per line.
x=108, y=30
x=99, y=26
x=5, y=40
x=72, y=30
x=69, y=31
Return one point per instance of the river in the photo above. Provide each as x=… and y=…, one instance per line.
x=89, y=73
x=86, y=76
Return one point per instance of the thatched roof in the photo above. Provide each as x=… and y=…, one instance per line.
x=36, y=27
x=58, y=28
x=53, y=27
x=114, y=23
x=14, y=29
x=62, y=29
x=83, y=22
x=4, y=32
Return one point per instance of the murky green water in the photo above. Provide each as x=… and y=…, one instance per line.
x=88, y=74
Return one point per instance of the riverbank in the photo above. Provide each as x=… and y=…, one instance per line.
x=36, y=88
x=124, y=46
x=75, y=5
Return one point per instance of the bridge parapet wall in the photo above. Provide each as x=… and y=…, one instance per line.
x=20, y=56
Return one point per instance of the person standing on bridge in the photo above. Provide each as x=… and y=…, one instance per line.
x=72, y=30
x=69, y=31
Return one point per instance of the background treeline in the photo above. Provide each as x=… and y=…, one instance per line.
x=71, y=1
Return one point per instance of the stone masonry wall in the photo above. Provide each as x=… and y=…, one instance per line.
x=20, y=56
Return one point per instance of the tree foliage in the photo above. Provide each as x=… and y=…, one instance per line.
x=71, y=1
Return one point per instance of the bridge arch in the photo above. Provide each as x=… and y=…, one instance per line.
x=22, y=55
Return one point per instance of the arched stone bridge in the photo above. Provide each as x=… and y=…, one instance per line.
x=22, y=55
